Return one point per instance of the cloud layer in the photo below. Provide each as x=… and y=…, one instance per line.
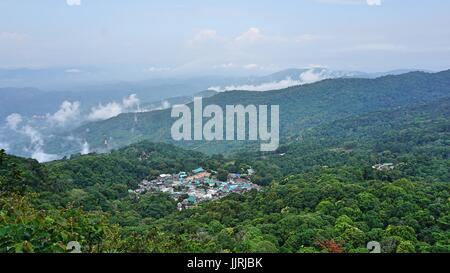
x=102, y=112
x=36, y=130
x=13, y=121
x=36, y=139
x=68, y=111
x=73, y=2
x=309, y=76
x=112, y=109
x=374, y=2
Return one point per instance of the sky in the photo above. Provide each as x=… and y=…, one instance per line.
x=199, y=37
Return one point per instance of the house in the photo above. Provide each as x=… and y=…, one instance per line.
x=192, y=199
x=199, y=174
x=166, y=190
x=210, y=182
x=208, y=196
x=198, y=170
x=383, y=167
x=199, y=187
x=182, y=175
x=234, y=175
x=179, y=206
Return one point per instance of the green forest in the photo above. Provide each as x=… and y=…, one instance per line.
x=321, y=191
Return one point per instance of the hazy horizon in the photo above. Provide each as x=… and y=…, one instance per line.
x=145, y=39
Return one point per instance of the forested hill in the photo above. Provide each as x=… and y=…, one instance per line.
x=86, y=198
x=414, y=138
x=96, y=180
x=333, y=209
x=321, y=194
x=301, y=107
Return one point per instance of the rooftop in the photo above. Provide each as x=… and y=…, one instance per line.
x=198, y=170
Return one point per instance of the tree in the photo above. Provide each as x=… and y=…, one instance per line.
x=2, y=156
x=330, y=246
x=406, y=247
x=222, y=175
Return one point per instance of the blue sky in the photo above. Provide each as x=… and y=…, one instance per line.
x=225, y=37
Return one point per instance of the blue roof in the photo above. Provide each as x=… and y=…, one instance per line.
x=198, y=170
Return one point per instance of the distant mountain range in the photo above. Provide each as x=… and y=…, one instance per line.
x=40, y=91
x=292, y=77
x=37, y=106
x=301, y=108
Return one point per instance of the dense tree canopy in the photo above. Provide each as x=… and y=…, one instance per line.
x=322, y=192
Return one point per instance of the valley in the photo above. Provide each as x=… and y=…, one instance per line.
x=200, y=136
x=320, y=191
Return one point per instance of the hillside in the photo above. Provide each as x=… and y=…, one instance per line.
x=321, y=195
x=301, y=108
x=416, y=139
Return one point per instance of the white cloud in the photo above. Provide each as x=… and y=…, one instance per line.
x=317, y=66
x=309, y=76
x=204, y=35
x=260, y=67
x=13, y=37
x=131, y=102
x=73, y=2
x=165, y=104
x=352, y=2
x=276, y=85
x=251, y=35
x=220, y=51
x=113, y=109
x=85, y=149
x=68, y=111
x=34, y=135
x=36, y=139
x=254, y=34
x=37, y=142
x=251, y=66
x=154, y=69
x=73, y=70
x=4, y=145
x=41, y=156
x=374, y=2
x=224, y=65
x=13, y=121
x=102, y=112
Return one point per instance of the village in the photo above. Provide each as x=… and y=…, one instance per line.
x=191, y=188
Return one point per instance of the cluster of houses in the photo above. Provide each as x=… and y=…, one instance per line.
x=384, y=167
x=197, y=186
